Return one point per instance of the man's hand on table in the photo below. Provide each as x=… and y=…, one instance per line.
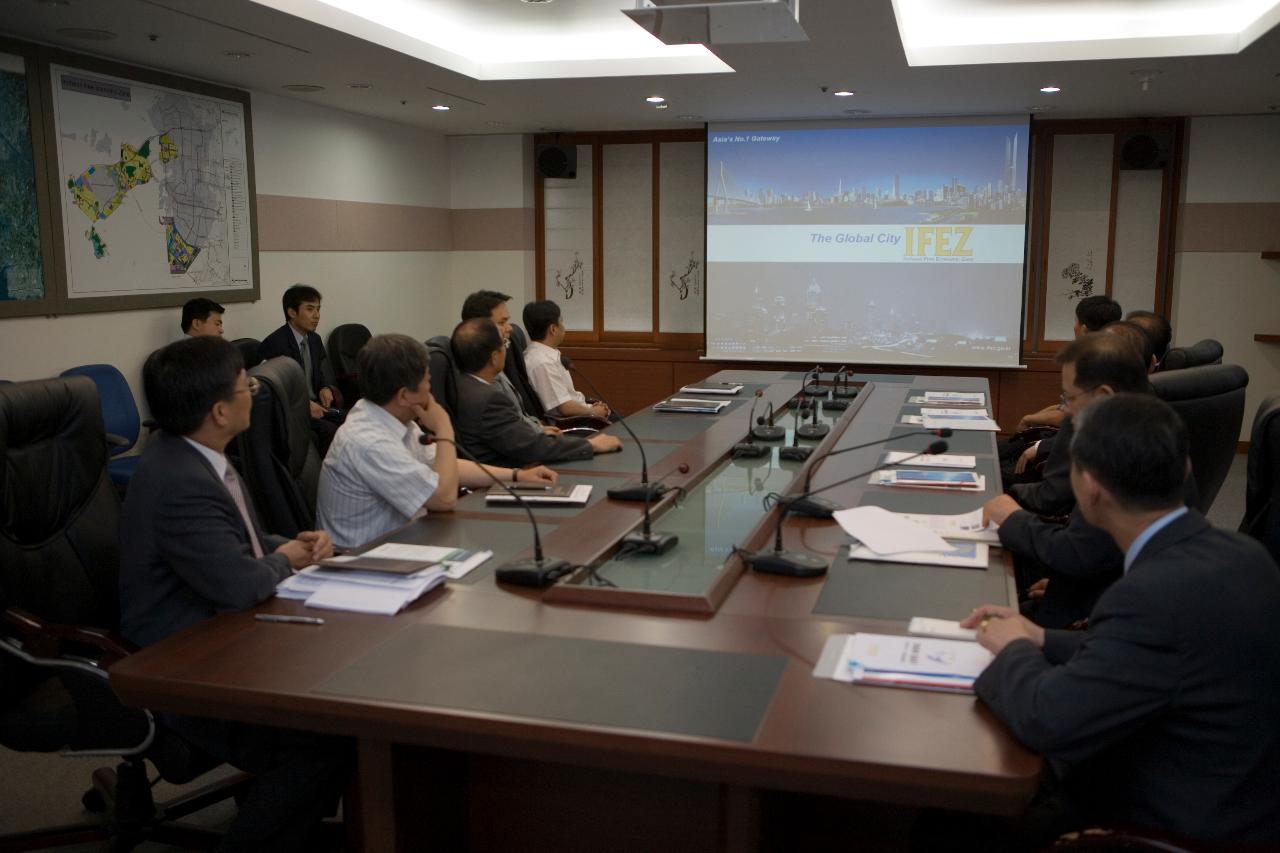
x=999, y=626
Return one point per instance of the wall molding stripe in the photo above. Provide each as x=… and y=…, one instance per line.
x=1228, y=227
x=295, y=224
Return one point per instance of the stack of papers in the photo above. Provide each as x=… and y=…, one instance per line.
x=689, y=404
x=729, y=388
x=964, y=481
x=562, y=495
x=966, y=526
x=919, y=663
x=885, y=536
x=970, y=419
x=955, y=398
x=895, y=457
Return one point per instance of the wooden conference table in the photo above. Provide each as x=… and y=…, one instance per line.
x=663, y=707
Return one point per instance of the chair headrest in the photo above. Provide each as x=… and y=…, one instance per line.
x=290, y=384
x=248, y=351
x=519, y=340
x=1209, y=380
x=346, y=340
x=50, y=431
x=1207, y=351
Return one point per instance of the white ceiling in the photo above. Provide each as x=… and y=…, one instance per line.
x=853, y=44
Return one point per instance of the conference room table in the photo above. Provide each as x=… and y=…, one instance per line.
x=643, y=702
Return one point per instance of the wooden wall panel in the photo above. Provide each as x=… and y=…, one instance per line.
x=1026, y=391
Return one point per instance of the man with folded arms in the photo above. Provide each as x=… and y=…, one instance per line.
x=191, y=548
x=489, y=422
x=378, y=474
x=1165, y=713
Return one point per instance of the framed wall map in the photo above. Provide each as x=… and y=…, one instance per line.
x=147, y=192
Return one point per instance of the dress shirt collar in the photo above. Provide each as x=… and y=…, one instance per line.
x=478, y=379
x=298, y=337
x=213, y=457
x=381, y=417
x=1145, y=536
x=539, y=346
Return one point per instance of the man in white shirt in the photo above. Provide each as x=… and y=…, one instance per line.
x=550, y=378
x=378, y=474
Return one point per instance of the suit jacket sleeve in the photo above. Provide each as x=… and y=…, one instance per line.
x=200, y=535
x=1123, y=671
x=1052, y=495
x=1074, y=549
x=276, y=344
x=515, y=441
x=325, y=374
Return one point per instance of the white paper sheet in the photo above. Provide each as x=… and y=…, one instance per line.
x=886, y=533
x=968, y=555
x=894, y=457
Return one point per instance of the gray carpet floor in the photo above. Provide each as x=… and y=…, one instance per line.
x=44, y=790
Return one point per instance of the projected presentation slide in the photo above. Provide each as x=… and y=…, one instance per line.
x=867, y=245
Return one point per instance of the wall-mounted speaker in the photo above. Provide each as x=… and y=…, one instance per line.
x=556, y=161
x=1145, y=150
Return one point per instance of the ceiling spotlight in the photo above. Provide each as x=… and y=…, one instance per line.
x=302, y=88
x=856, y=112
x=1040, y=108
x=236, y=54
x=656, y=99
x=359, y=85
x=1051, y=90
x=844, y=93
x=441, y=108
x=1144, y=77
x=662, y=106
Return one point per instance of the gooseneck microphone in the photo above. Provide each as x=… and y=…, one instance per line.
x=822, y=508
x=766, y=430
x=541, y=571
x=795, y=451
x=629, y=491
x=798, y=564
x=748, y=449
x=646, y=541
x=813, y=429
x=842, y=389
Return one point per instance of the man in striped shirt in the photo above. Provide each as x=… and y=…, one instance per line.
x=378, y=473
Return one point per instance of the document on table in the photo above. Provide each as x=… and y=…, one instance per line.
x=918, y=663
x=962, y=419
x=896, y=457
x=885, y=532
x=964, y=555
x=966, y=526
x=955, y=398
x=457, y=561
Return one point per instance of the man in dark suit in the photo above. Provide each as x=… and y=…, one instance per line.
x=297, y=339
x=191, y=548
x=514, y=378
x=488, y=422
x=1165, y=713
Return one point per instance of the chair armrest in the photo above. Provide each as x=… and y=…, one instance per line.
x=577, y=421
x=1034, y=434
x=1118, y=838
x=114, y=440
x=42, y=639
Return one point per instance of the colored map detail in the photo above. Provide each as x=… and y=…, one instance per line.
x=168, y=148
x=21, y=264
x=181, y=253
x=99, y=247
x=110, y=181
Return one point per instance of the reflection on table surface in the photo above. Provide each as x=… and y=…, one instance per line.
x=713, y=518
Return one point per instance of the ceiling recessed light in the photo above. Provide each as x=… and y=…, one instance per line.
x=656, y=99
x=359, y=85
x=302, y=88
x=441, y=108
x=856, y=112
x=844, y=93
x=1051, y=90
x=493, y=123
x=689, y=118
x=86, y=34
x=662, y=106
x=1040, y=108
x=536, y=2
x=236, y=54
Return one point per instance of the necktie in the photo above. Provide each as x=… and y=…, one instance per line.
x=306, y=368
x=237, y=495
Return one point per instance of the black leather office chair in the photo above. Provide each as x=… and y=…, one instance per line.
x=1210, y=400
x=1261, y=506
x=59, y=575
x=248, y=351
x=444, y=374
x=279, y=461
x=1198, y=354
x=519, y=377
x=344, y=342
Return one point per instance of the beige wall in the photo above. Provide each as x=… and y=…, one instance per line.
x=1223, y=289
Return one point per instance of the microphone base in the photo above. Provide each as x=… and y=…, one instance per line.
x=795, y=453
x=533, y=572
x=814, y=507
x=813, y=430
x=794, y=564
x=650, y=543
x=747, y=450
x=637, y=491
x=769, y=433
x=844, y=392
x=837, y=404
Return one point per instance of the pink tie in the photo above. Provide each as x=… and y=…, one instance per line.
x=237, y=495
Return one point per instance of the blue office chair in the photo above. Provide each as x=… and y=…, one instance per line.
x=119, y=416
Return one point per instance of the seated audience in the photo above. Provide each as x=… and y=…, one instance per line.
x=1165, y=713
x=1137, y=336
x=191, y=548
x=1158, y=328
x=1072, y=563
x=550, y=378
x=297, y=339
x=202, y=316
x=489, y=423
x=513, y=380
x=378, y=475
